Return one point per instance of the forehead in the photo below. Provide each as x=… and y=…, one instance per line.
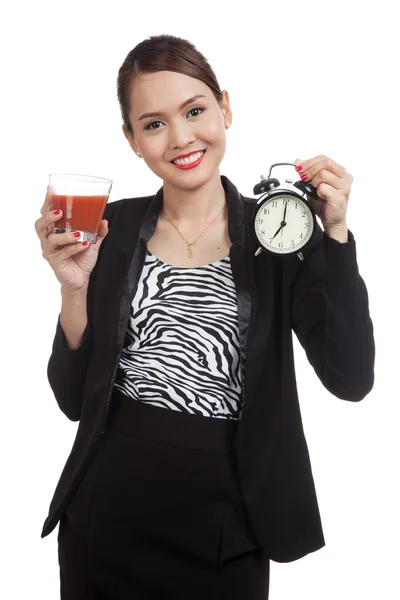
x=164, y=91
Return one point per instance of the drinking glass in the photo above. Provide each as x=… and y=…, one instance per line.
x=82, y=199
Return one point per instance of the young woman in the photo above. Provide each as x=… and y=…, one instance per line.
x=173, y=350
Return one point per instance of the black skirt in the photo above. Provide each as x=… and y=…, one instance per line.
x=158, y=514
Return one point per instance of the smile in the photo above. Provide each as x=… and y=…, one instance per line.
x=190, y=161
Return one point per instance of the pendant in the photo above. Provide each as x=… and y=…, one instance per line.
x=190, y=251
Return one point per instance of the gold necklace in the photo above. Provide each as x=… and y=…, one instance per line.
x=190, y=244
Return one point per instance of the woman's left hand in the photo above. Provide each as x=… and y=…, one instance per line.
x=333, y=185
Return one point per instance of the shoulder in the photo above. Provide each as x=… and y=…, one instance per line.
x=249, y=202
x=249, y=206
x=126, y=206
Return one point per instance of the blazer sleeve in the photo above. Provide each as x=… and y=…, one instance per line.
x=330, y=316
x=66, y=369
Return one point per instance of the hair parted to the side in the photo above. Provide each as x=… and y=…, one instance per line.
x=162, y=53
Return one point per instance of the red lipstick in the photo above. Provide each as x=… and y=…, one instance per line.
x=191, y=165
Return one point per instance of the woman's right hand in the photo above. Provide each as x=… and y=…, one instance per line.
x=71, y=262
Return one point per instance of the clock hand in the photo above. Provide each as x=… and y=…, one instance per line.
x=284, y=219
x=283, y=224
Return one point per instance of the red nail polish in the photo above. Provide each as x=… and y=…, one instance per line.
x=85, y=243
x=57, y=212
x=298, y=168
x=303, y=177
x=77, y=234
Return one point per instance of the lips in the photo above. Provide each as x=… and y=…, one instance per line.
x=181, y=156
x=190, y=165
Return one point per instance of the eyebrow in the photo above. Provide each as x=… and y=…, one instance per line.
x=182, y=106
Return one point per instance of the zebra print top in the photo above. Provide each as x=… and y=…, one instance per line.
x=181, y=349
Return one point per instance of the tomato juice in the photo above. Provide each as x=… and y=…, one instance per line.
x=82, y=213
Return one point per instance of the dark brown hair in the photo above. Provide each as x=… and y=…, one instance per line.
x=162, y=53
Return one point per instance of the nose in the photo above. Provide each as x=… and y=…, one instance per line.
x=181, y=135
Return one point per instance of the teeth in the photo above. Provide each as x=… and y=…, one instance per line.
x=188, y=159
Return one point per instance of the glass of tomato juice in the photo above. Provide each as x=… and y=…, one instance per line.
x=82, y=199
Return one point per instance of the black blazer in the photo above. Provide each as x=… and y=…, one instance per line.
x=322, y=299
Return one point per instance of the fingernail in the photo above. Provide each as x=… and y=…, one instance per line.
x=85, y=243
x=57, y=212
x=298, y=168
x=77, y=234
x=303, y=177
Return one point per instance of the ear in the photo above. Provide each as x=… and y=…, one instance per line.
x=131, y=140
x=226, y=107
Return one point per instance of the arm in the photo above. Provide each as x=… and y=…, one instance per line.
x=66, y=371
x=73, y=316
x=71, y=351
x=330, y=316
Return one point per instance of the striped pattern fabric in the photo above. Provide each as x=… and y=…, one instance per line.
x=181, y=348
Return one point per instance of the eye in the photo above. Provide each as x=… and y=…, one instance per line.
x=149, y=126
x=196, y=108
x=191, y=111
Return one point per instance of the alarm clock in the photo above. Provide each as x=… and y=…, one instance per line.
x=283, y=220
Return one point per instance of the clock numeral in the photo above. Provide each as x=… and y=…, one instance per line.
x=266, y=211
x=280, y=244
x=303, y=214
x=262, y=231
x=259, y=221
x=301, y=236
x=292, y=243
x=296, y=205
x=275, y=204
x=286, y=202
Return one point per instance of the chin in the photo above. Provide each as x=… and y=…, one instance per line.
x=194, y=181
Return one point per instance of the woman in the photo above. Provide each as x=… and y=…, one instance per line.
x=173, y=350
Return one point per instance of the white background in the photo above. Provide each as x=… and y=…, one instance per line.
x=304, y=78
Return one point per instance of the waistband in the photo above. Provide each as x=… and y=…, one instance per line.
x=168, y=426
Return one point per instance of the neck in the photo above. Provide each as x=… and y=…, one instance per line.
x=198, y=205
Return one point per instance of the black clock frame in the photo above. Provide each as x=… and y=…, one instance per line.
x=276, y=192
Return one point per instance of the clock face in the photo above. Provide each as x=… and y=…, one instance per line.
x=284, y=223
